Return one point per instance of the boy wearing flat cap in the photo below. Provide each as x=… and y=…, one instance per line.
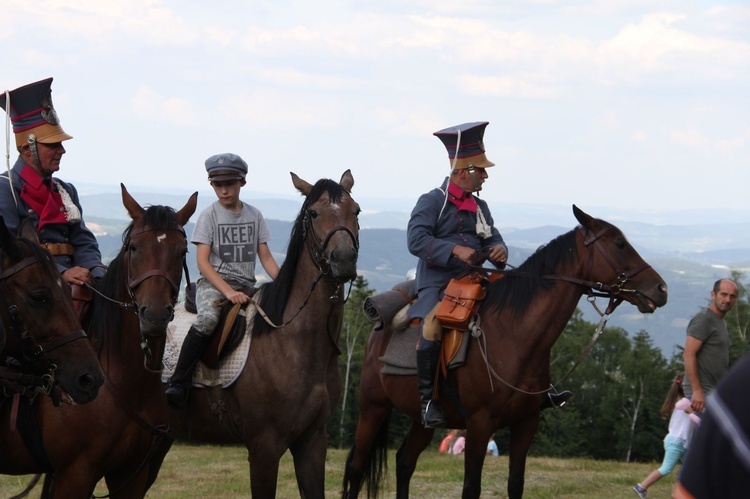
x=229, y=236
x=29, y=190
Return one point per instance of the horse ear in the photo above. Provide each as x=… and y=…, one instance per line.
x=582, y=217
x=134, y=209
x=347, y=180
x=28, y=230
x=301, y=185
x=187, y=211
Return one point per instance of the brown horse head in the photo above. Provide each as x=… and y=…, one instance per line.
x=155, y=252
x=42, y=330
x=330, y=225
x=619, y=267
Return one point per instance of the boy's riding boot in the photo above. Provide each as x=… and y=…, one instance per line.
x=556, y=400
x=428, y=353
x=179, y=384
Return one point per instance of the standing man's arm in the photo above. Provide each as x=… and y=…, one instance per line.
x=690, y=357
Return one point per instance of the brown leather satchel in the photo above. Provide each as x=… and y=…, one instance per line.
x=461, y=301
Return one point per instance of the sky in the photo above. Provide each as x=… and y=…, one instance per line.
x=642, y=105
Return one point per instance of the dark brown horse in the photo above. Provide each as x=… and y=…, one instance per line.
x=44, y=340
x=290, y=382
x=111, y=437
x=521, y=317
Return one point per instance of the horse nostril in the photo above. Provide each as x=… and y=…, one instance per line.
x=88, y=382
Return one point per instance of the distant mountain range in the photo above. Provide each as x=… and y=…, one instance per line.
x=689, y=249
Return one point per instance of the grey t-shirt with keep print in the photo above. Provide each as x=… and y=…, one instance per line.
x=234, y=240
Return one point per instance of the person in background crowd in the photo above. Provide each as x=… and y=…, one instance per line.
x=492, y=449
x=706, y=354
x=682, y=425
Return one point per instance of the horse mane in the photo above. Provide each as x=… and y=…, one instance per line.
x=105, y=317
x=515, y=292
x=274, y=294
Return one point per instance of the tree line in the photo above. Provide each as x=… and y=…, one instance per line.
x=618, y=388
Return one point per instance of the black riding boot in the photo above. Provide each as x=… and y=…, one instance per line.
x=556, y=400
x=179, y=384
x=428, y=354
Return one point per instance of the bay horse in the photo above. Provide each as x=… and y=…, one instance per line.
x=520, y=319
x=132, y=305
x=43, y=345
x=290, y=382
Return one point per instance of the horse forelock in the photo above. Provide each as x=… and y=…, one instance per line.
x=276, y=293
x=515, y=292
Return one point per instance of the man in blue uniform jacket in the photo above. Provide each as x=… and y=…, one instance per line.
x=30, y=191
x=448, y=228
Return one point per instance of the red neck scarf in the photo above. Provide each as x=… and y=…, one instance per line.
x=39, y=195
x=463, y=200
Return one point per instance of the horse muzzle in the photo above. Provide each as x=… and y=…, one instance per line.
x=343, y=264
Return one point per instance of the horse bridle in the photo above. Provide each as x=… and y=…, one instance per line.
x=316, y=248
x=33, y=351
x=596, y=288
x=134, y=283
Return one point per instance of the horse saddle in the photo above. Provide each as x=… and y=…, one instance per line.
x=228, y=333
x=454, y=313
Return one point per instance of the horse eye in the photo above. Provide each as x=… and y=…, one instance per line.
x=131, y=247
x=620, y=242
x=39, y=297
x=313, y=214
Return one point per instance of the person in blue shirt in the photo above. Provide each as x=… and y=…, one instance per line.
x=30, y=191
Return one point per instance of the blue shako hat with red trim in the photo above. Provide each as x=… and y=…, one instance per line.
x=465, y=145
x=32, y=113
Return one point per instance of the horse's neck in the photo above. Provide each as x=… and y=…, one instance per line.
x=320, y=317
x=544, y=320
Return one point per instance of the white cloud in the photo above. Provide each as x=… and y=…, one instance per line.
x=154, y=108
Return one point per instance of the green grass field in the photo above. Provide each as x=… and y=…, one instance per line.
x=208, y=471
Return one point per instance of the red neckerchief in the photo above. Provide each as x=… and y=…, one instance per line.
x=46, y=202
x=463, y=200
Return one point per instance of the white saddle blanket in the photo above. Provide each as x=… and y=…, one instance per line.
x=229, y=368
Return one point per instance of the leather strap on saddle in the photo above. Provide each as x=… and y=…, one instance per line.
x=59, y=248
x=82, y=296
x=228, y=333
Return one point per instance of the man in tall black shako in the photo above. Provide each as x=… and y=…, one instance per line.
x=29, y=190
x=448, y=226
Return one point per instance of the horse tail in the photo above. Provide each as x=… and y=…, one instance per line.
x=375, y=469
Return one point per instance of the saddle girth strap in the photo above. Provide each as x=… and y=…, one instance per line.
x=28, y=428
